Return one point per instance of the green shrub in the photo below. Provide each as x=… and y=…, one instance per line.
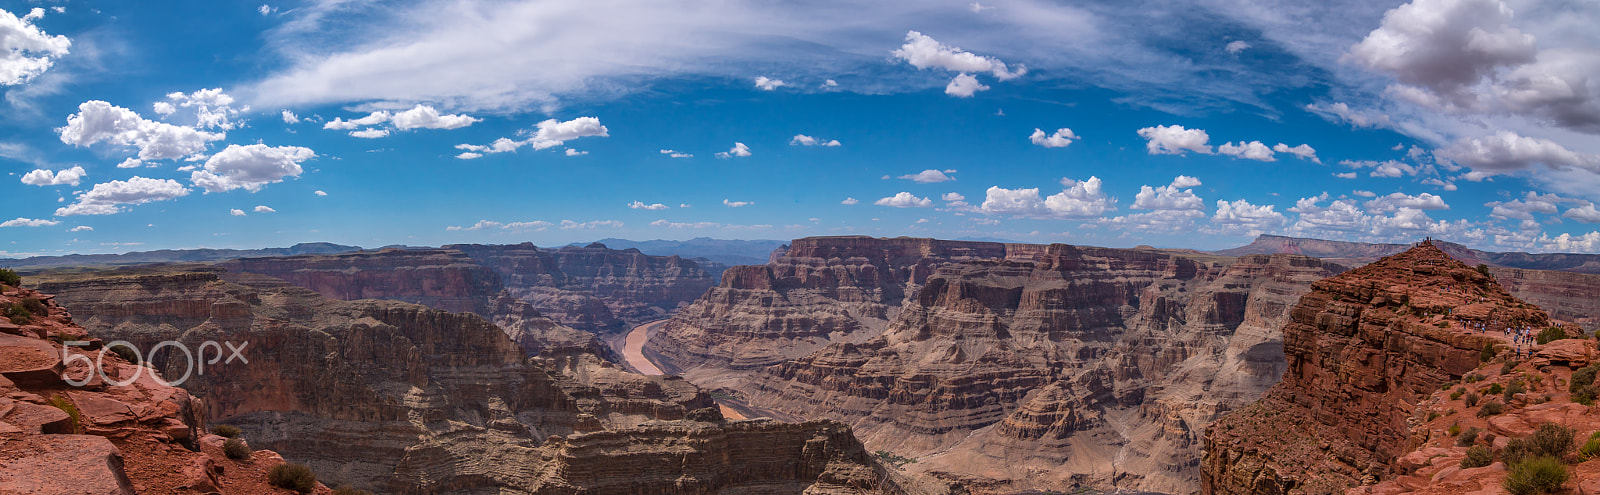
x=1550, y=335
x=1471, y=399
x=1433, y=415
x=1484, y=269
x=229, y=431
x=16, y=313
x=1494, y=388
x=1536, y=475
x=1590, y=449
x=1550, y=440
x=1448, y=384
x=348, y=490
x=1486, y=354
x=1477, y=456
x=235, y=449
x=1468, y=437
x=296, y=477
x=35, y=306
x=1454, y=430
x=1457, y=394
x=1516, y=387
x=74, y=417
x=10, y=277
x=127, y=353
x=1490, y=409
x=1583, y=377
x=1473, y=378
x=1505, y=369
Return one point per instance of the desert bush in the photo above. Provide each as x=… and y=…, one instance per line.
x=296, y=477
x=1490, y=409
x=1550, y=335
x=10, y=277
x=1454, y=430
x=16, y=313
x=235, y=449
x=1590, y=449
x=1536, y=475
x=1474, y=377
x=1471, y=399
x=1477, y=456
x=1458, y=393
x=1486, y=354
x=1583, y=377
x=1516, y=387
x=1468, y=437
x=229, y=431
x=74, y=417
x=35, y=306
x=1550, y=440
x=1433, y=415
x=1494, y=388
x=127, y=353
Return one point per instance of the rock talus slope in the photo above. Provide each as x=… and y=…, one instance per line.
x=1364, y=350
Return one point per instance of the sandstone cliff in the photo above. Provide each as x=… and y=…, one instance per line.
x=1363, y=349
x=115, y=428
x=1009, y=367
x=400, y=398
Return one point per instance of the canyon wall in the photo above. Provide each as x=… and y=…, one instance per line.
x=401, y=398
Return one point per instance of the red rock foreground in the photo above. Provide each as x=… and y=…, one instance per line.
x=143, y=437
x=1391, y=381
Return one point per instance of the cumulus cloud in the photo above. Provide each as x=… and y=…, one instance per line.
x=265, y=209
x=924, y=52
x=1242, y=218
x=591, y=225
x=850, y=201
x=1346, y=218
x=951, y=196
x=1253, y=150
x=1585, y=243
x=1175, y=140
x=289, y=117
x=536, y=225
x=548, y=134
x=736, y=204
x=1059, y=139
x=768, y=84
x=1234, y=47
x=640, y=205
x=370, y=133
x=371, y=119
x=1506, y=151
x=1523, y=208
x=250, y=167
x=104, y=198
x=81, y=228
x=27, y=222
x=131, y=163
x=213, y=108
x=468, y=155
x=1079, y=199
x=320, y=193
x=930, y=176
x=573, y=152
x=25, y=50
x=1341, y=112
x=738, y=149
x=685, y=225
x=98, y=121
x=964, y=86
x=904, y=200
x=1396, y=201
x=804, y=140
x=676, y=154
x=236, y=212
x=1304, y=151
x=1174, y=196
x=43, y=177
x=426, y=117
x=1586, y=214
x=1386, y=168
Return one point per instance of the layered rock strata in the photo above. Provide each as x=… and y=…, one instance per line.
x=400, y=398
x=1363, y=350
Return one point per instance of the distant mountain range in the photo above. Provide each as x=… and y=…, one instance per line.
x=729, y=252
x=171, y=256
x=1361, y=252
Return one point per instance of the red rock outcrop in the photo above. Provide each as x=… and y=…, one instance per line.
x=1363, y=350
x=399, y=398
x=76, y=419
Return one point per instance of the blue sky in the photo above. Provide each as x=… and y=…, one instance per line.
x=225, y=124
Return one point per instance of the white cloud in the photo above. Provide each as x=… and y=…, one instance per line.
x=320, y=193
x=738, y=149
x=213, y=108
x=426, y=117
x=571, y=225
x=1434, y=181
x=1079, y=199
x=850, y=201
x=131, y=163
x=236, y=212
x=950, y=196
x=639, y=205
x=1386, y=168
x=25, y=50
x=573, y=152
x=1586, y=214
x=1060, y=139
x=371, y=119
x=1585, y=243
x=1364, y=194
x=964, y=86
x=676, y=154
x=1253, y=150
x=468, y=155
x=767, y=84
x=1506, y=151
x=81, y=228
x=290, y=118
x=250, y=167
x=103, y=198
x=804, y=140
x=978, y=8
x=536, y=225
x=930, y=176
x=43, y=177
x=265, y=9
x=1395, y=201
x=1234, y=47
x=1524, y=208
x=924, y=52
x=1346, y=219
x=370, y=133
x=1242, y=218
x=98, y=121
x=736, y=204
x=1341, y=112
x=27, y=222
x=1174, y=140
x=904, y=200
x=830, y=84
x=1346, y=175
x=685, y=225
x=1304, y=151
x=549, y=134
x=1170, y=197
x=265, y=209
x=164, y=108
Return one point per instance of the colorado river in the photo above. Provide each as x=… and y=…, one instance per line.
x=633, y=348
